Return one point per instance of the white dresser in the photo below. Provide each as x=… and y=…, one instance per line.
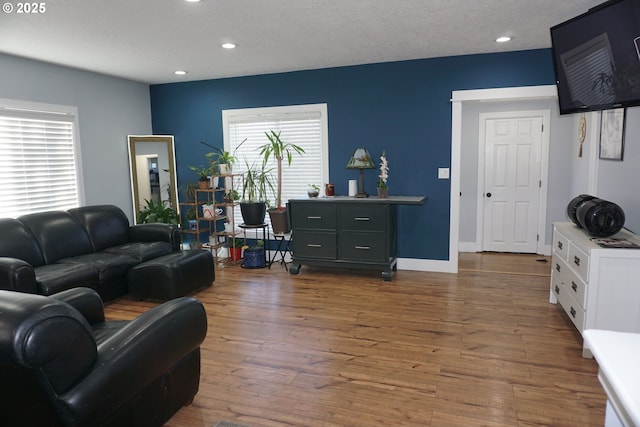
x=598, y=288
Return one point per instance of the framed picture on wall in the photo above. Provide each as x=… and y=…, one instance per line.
x=612, y=134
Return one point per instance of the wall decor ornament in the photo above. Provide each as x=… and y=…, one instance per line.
x=612, y=134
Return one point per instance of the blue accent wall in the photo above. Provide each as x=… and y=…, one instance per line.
x=401, y=107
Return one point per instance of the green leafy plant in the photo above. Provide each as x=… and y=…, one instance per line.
x=235, y=242
x=257, y=184
x=279, y=149
x=158, y=212
x=202, y=172
x=222, y=157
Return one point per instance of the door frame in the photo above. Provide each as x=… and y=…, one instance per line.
x=458, y=98
x=544, y=170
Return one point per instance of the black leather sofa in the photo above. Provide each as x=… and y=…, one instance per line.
x=92, y=246
x=62, y=364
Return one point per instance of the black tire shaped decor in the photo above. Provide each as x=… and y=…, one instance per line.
x=600, y=218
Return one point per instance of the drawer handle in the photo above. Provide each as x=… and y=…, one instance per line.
x=313, y=245
x=557, y=289
x=314, y=217
x=560, y=245
x=363, y=247
x=362, y=218
x=573, y=312
x=574, y=286
x=558, y=267
x=576, y=261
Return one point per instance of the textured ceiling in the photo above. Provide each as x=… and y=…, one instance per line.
x=146, y=40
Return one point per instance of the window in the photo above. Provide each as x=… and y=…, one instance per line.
x=302, y=125
x=39, y=165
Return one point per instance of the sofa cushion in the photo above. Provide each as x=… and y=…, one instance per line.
x=18, y=242
x=57, y=277
x=58, y=234
x=142, y=251
x=106, y=225
x=109, y=265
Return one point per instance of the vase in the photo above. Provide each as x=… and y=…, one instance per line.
x=383, y=193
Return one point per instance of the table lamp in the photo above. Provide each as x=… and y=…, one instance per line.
x=360, y=159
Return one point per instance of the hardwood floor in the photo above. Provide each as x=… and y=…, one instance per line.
x=334, y=348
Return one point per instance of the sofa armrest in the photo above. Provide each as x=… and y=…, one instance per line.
x=139, y=353
x=17, y=275
x=86, y=301
x=156, y=232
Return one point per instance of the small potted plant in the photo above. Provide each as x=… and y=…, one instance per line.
x=383, y=188
x=203, y=176
x=191, y=219
x=254, y=255
x=235, y=245
x=313, y=191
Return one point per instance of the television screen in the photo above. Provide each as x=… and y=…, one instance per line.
x=597, y=58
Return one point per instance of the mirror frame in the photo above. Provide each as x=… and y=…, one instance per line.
x=135, y=145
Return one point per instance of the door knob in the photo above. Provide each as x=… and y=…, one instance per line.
x=488, y=194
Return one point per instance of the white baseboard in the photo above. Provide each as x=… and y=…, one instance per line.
x=468, y=247
x=436, y=266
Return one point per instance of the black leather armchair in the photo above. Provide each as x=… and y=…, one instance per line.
x=62, y=364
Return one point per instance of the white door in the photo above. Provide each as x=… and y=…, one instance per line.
x=512, y=184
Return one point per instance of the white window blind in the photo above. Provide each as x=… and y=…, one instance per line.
x=38, y=170
x=302, y=125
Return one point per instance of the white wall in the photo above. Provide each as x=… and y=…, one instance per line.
x=109, y=109
x=562, y=148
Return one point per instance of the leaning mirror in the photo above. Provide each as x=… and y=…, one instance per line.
x=153, y=171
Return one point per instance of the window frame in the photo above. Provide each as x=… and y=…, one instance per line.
x=45, y=111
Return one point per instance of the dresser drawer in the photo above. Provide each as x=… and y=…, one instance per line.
x=565, y=276
x=314, y=216
x=362, y=218
x=560, y=244
x=579, y=261
x=310, y=244
x=362, y=247
x=569, y=305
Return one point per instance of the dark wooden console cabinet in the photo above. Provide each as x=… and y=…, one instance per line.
x=347, y=232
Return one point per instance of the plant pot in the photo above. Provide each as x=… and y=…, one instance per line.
x=253, y=258
x=203, y=184
x=279, y=221
x=253, y=213
x=383, y=193
x=313, y=193
x=235, y=254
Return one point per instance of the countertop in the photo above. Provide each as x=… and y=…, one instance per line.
x=618, y=356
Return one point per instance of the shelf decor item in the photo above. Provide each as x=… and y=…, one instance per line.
x=361, y=160
x=383, y=188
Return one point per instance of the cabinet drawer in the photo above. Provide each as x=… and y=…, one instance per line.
x=368, y=247
x=309, y=244
x=562, y=274
x=314, y=216
x=570, y=306
x=579, y=261
x=362, y=218
x=560, y=244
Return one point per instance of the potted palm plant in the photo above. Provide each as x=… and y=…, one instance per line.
x=255, y=190
x=280, y=150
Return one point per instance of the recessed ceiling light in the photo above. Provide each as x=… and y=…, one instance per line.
x=503, y=39
x=228, y=45
x=192, y=1
x=180, y=73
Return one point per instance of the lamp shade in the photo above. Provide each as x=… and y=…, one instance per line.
x=361, y=159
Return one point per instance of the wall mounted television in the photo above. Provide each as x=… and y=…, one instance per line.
x=597, y=58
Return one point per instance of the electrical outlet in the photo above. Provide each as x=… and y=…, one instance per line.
x=443, y=173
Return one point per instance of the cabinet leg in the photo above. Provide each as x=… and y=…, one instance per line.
x=387, y=275
x=294, y=268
